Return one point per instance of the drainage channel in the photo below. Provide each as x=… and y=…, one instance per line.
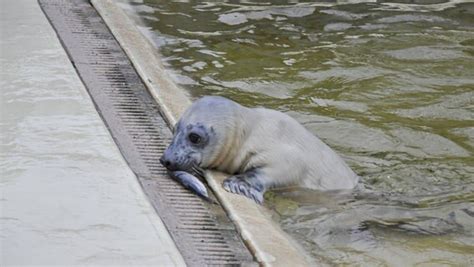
x=202, y=231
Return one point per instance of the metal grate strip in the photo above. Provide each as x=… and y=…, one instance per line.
x=202, y=231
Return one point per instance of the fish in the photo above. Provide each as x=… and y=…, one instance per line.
x=191, y=183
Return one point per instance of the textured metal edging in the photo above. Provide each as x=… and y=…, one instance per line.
x=202, y=232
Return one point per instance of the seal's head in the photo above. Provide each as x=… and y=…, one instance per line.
x=199, y=134
x=189, y=144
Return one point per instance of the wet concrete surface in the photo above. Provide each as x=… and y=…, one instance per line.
x=67, y=195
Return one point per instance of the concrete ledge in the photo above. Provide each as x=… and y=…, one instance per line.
x=267, y=241
x=68, y=197
x=172, y=100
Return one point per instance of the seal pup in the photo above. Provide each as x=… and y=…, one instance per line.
x=260, y=148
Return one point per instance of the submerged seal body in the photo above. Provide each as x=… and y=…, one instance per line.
x=260, y=148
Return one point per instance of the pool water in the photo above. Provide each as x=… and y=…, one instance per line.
x=389, y=85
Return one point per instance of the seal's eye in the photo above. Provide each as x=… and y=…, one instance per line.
x=194, y=138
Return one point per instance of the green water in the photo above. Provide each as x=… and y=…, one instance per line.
x=388, y=85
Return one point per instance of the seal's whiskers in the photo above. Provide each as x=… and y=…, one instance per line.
x=198, y=170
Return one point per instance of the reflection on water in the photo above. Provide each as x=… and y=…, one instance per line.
x=388, y=84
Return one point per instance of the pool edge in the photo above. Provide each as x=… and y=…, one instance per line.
x=271, y=247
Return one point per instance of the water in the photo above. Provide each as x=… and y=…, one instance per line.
x=387, y=84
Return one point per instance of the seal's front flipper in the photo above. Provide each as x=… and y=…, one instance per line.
x=247, y=184
x=192, y=183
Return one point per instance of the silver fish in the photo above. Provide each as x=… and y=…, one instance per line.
x=192, y=183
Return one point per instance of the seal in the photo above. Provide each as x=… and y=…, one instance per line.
x=261, y=149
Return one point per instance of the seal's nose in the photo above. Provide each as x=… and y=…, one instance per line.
x=165, y=162
x=168, y=164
